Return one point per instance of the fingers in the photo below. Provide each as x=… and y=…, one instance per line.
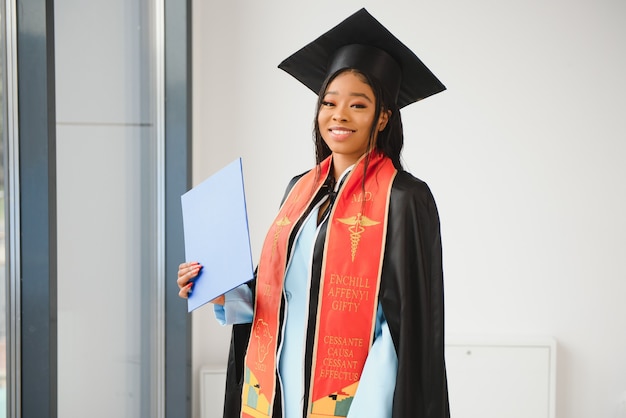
x=184, y=291
x=186, y=273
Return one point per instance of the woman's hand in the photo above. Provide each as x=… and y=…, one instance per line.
x=187, y=272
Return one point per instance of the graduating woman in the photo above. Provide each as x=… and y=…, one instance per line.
x=345, y=316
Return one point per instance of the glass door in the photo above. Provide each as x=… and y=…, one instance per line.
x=9, y=290
x=108, y=230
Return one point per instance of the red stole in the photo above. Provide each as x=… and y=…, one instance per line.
x=348, y=298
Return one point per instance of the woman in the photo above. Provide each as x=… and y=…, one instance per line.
x=345, y=315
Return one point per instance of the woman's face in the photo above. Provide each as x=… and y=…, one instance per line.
x=346, y=115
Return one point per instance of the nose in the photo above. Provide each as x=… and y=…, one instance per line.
x=339, y=115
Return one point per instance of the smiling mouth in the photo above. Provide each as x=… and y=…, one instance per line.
x=341, y=131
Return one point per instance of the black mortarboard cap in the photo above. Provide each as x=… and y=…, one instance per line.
x=361, y=42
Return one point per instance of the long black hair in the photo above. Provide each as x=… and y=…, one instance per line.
x=390, y=140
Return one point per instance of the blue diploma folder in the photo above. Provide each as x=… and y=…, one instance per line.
x=215, y=225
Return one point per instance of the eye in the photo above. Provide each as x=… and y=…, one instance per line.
x=359, y=106
x=327, y=104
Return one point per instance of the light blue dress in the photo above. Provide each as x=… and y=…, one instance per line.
x=374, y=396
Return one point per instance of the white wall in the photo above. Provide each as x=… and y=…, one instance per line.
x=525, y=154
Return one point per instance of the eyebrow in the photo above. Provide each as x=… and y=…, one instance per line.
x=353, y=94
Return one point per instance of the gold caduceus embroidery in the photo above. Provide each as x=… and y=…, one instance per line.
x=284, y=221
x=357, y=226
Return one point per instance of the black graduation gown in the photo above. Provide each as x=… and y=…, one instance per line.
x=411, y=295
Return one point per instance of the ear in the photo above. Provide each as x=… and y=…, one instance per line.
x=383, y=119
